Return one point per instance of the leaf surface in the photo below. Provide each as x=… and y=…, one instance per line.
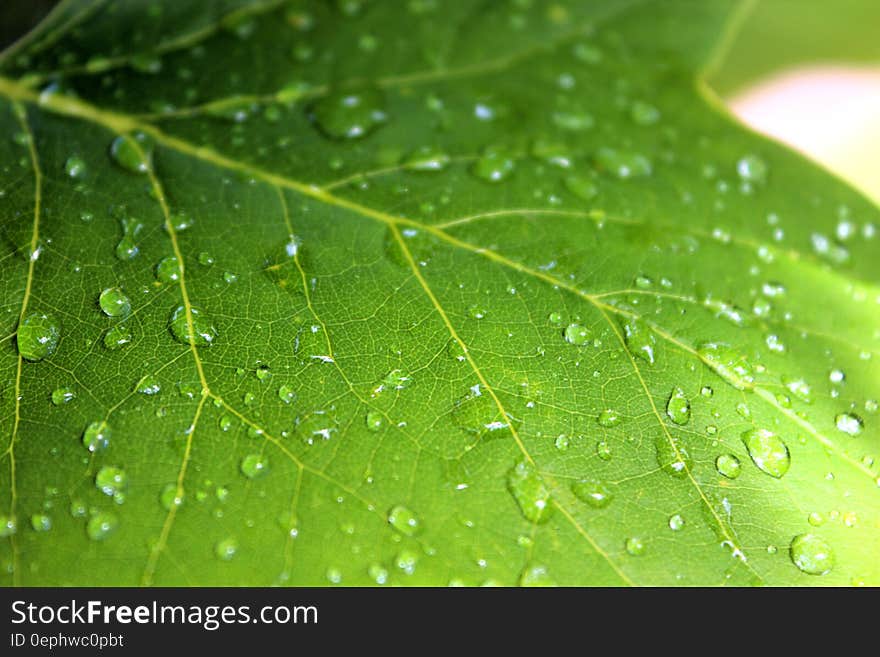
x=422, y=293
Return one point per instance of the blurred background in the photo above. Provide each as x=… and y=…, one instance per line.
x=806, y=72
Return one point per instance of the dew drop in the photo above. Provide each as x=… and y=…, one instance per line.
x=286, y=393
x=254, y=466
x=640, y=339
x=752, y=169
x=728, y=466
x=767, y=451
x=536, y=575
x=672, y=457
x=530, y=492
x=168, y=270
x=114, y=302
x=8, y=526
x=729, y=364
x=678, y=408
x=603, y=450
x=132, y=152
x=203, y=333
x=426, y=158
x=75, y=167
x=37, y=336
x=61, y=396
x=494, y=165
x=582, y=187
x=622, y=164
x=609, y=418
x=349, y=114
x=635, y=546
x=117, y=337
x=374, y=421
x=226, y=549
x=811, y=554
x=111, y=481
x=404, y=520
x=40, y=522
x=96, y=437
x=594, y=492
x=171, y=497
x=676, y=522
x=576, y=334
x=101, y=526
x=849, y=423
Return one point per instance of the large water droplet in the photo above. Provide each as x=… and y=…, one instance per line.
x=576, y=334
x=203, y=333
x=168, y=270
x=678, y=408
x=530, y=492
x=767, y=451
x=672, y=457
x=37, y=336
x=811, y=554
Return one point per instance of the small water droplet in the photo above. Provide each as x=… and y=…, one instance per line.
x=132, y=152
x=678, y=408
x=40, y=522
x=349, y=114
x=286, y=393
x=672, y=457
x=622, y=164
x=168, y=270
x=254, y=466
x=374, y=421
x=226, y=549
x=171, y=497
x=101, y=525
x=404, y=520
x=112, y=481
x=728, y=466
x=676, y=522
x=752, y=169
x=64, y=395
x=582, y=187
x=536, y=575
x=426, y=158
x=594, y=492
x=75, y=167
x=729, y=364
x=609, y=418
x=635, y=546
x=117, y=337
x=114, y=302
x=576, y=334
x=96, y=437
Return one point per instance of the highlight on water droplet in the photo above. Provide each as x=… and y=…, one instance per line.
x=728, y=466
x=849, y=423
x=536, y=575
x=203, y=332
x=101, y=525
x=495, y=164
x=640, y=339
x=349, y=113
x=168, y=270
x=576, y=334
x=63, y=395
x=404, y=520
x=254, y=466
x=678, y=408
x=593, y=491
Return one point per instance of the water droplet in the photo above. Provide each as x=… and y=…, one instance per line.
x=75, y=167
x=477, y=312
x=622, y=164
x=349, y=114
x=582, y=187
x=811, y=554
x=729, y=364
x=603, y=450
x=816, y=519
x=535, y=575
x=114, y=302
x=635, y=546
x=837, y=376
x=394, y=380
x=576, y=334
x=286, y=393
x=404, y=520
x=40, y=522
x=226, y=549
x=494, y=165
x=37, y=336
x=8, y=526
x=203, y=332
x=849, y=423
x=127, y=247
x=609, y=418
x=640, y=339
x=374, y=421
x=254, y=466
x=149, y=385
x=573, y=121
x=562, y=442
x=478, y=414
x=263, y=373
x=225, y=423
x=767, y=451
x=678, y=408
x=171, y=497
x=168, y=270
x=96, y=437
x=378, y=573
x=117, y=337
x=61, y=396
x=676, y=522
x=132, y=152
x=112, y=481
x=426, y=158
x=594, y=492
x=798, y=387
x=728, y=466
x=530, y=492
x=101, y=526
x=752, y=169
x=672, y=457
x=551, y=152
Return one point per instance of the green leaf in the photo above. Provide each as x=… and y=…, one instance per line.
x=424, y=293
